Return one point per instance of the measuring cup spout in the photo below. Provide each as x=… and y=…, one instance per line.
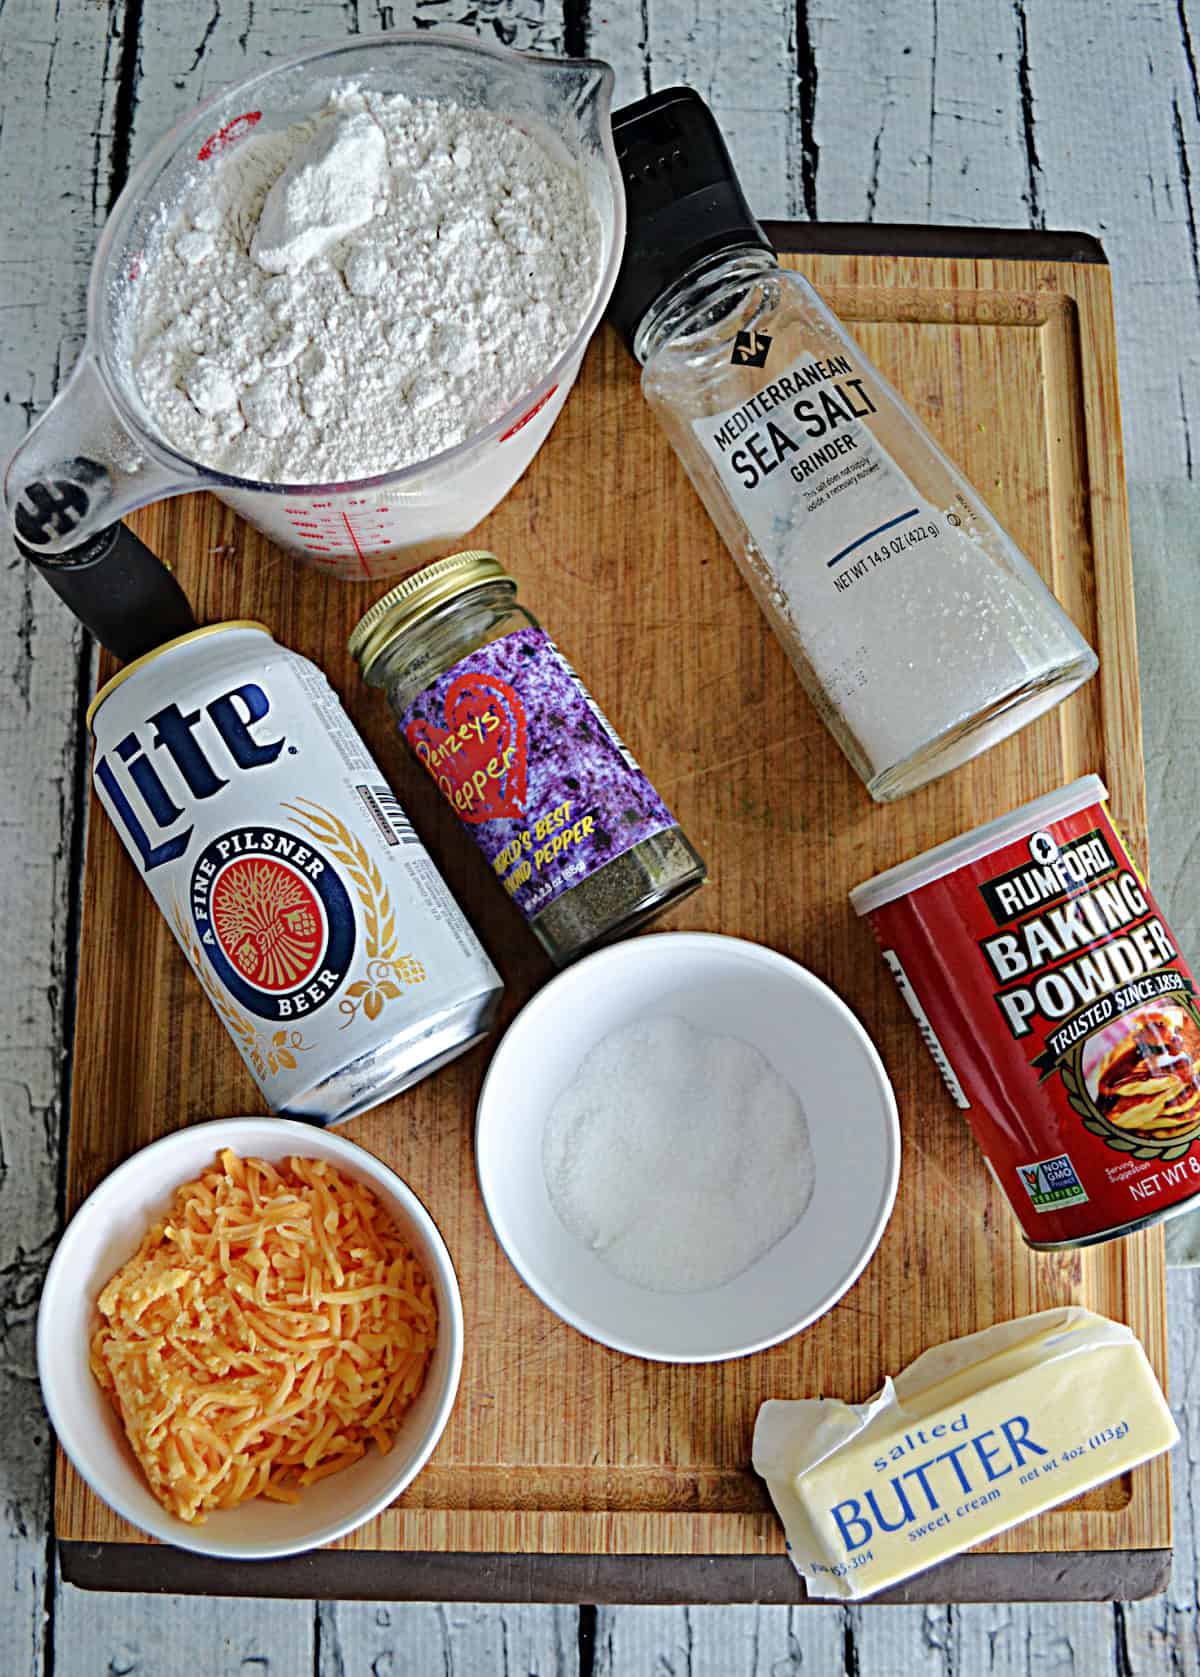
x=577, y=83
x=80, y=468
x=580, y=90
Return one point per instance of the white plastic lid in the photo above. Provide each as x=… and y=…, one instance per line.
x=969, y=847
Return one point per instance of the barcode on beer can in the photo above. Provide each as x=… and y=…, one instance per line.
x=385, y=809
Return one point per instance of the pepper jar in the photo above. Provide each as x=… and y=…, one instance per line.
x=568, y=822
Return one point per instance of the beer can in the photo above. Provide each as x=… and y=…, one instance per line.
x=1064, y=1020
x=303, y=899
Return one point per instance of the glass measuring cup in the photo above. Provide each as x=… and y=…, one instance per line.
x=97, y=453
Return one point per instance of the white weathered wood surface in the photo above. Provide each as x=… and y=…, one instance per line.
x=1059, y=113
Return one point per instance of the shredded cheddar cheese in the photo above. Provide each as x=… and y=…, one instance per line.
x=264, y=1331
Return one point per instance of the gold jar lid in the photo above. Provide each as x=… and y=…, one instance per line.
x=114, y=681
x=417, y=597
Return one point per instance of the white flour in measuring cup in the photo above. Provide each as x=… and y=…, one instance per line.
x=361, y=290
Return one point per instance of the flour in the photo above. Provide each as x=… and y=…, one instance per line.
x=361, y=290
x=332, y=185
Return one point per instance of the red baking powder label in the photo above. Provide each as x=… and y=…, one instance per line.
x=1053, y=997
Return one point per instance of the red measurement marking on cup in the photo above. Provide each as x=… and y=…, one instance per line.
x=225, y=137
x=327, y=527
x=357, y=550
x=526, y=417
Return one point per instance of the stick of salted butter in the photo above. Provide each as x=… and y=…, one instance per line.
x=970, y=1439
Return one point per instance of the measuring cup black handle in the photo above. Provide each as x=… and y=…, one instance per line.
x=118, y=589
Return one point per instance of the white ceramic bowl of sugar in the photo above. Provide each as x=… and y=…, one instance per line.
x=108, y=1228
x=726, y=987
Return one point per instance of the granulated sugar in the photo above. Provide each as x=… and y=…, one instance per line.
x=680, y=1158
x=361, y=290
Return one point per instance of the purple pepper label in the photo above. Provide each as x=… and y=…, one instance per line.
x=532, y=767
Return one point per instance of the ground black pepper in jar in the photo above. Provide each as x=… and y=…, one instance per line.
x=572, y=828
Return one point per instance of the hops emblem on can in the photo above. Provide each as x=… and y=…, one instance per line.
x=303, y=899
x=1053, y=997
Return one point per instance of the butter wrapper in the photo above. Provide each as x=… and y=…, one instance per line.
x=971, y=1438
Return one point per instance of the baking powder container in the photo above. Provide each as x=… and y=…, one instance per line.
x=1052, y=995
x=308, y=908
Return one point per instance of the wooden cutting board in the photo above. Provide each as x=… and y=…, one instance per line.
x=556, y=1444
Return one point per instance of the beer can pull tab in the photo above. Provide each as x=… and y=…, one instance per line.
x=118, y=589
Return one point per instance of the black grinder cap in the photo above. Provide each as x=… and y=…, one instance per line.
x=682, y=196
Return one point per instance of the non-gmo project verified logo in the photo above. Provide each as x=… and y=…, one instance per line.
x=1052, y=1183
x=750, y=349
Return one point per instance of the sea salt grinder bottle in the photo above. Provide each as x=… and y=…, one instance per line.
x=921, y=633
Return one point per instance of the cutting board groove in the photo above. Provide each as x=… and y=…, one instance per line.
x=557, y=1445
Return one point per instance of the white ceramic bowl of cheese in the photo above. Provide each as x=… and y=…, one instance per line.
x=727, y=987
x=108, y=1228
